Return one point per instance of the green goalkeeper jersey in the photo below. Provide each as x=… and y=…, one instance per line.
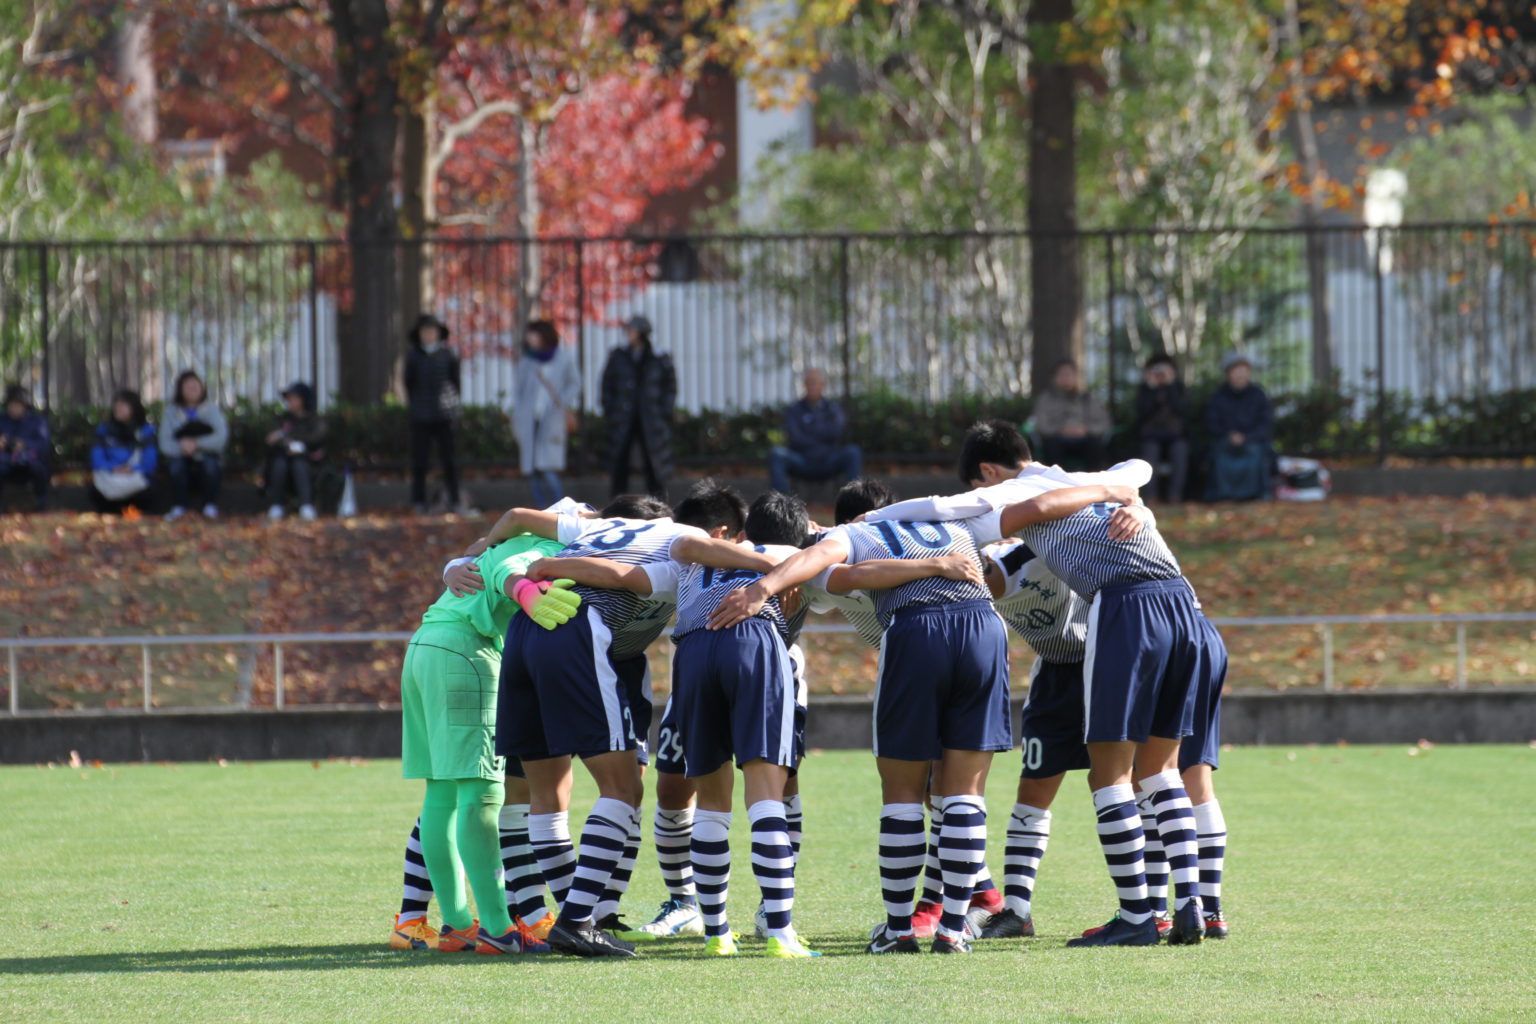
x=489, y=611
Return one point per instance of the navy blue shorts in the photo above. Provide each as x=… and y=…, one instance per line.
x=635, y=676
x=560, y=693
x=1146, y=653
x=733, y=691
x=1051, y=727
x=515, y=769
x=669, y=740
x=943, y=682
x=1203, y=746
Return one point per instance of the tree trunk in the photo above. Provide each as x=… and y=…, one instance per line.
x=1311, y=212
x=530, y=273
x=372, y=345
x=1056, y=313
x=417, y=214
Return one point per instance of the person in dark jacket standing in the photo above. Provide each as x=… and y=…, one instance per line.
x=813, y=434
x=639, y=399
x=24, y=445
x=1241, y=424
x=432, y=393
x=294, y=450
x=1162, y=420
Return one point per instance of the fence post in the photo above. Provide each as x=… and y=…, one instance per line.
x=1328, y=683
x=45, y=325
x=14, y=678
x=148, y=680
x=314, y=316
x=1381, y=356
x=1109, y=267
x=1461, y=655
x=277, y=675
x=847, y=318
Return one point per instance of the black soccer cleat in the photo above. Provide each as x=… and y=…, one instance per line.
x=1188, y=925
x=943, y=945
x=1216, y=926
x=1005, y=924
x=884, y=941
x=585, y=939
x=1119, y=932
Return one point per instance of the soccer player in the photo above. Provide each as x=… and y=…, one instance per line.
x=562, y=697
x=448, y=708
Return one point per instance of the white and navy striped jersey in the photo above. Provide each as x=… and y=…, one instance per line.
x=634, y=621
x=1036, y=605
x=868, y=541
x=1078, y=550
x=700, y=589
x=856, y=606
x=982, y=507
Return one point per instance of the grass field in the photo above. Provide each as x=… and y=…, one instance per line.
x=1364, y=884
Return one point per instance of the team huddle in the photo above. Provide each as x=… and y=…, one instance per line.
x=535, y=655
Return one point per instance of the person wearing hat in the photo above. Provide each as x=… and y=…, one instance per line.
x=1240, y=422
x=294, y=448
x=639, y=401
x=24, y=445
x=432, y=395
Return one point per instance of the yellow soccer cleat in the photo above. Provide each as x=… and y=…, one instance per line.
x=788, y=948
x=413, y=934
x=720, y=945
x=450, y=940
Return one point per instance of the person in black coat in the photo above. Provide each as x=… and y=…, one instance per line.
x=1241, y=422
x=639, y=400
x=432, y=395
x=1162, y=420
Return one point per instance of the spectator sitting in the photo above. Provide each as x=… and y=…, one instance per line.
x=24, y=445
x=123, y=456
x=1162, y=419
x=814, y=427
x=432, y=393
x=1072, y=424
x=193, y=435
x=294, y=448
x=546, y=385
x=1241, y=423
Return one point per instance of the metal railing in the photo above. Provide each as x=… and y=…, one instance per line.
x=1324, y=624
x=1411, y=324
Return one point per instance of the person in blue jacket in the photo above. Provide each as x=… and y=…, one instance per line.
x=24, y=445
x=1241, y=424
x=124, y=456
x=813, y=432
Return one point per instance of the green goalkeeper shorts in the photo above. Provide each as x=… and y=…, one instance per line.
x=448, y=705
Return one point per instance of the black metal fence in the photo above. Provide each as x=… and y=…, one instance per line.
x=1413, y=339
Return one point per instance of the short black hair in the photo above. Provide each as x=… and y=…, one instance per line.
x=710, y=505
x=777, y=518
x=991, y=441
x=636, y=506
x=859, y=496
x=1162, y=359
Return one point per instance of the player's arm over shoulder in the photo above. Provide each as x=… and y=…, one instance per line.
x=1059, y=504
x=602, y=573
x=720, y=554
x=885, y=573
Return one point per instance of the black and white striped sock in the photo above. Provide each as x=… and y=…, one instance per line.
x=1176, y=828
x=1211, y=834
x=902, y=856
x=417, y=891
x=773, y=864
x=550, y=837
x=1123, y=843
x=933, y=874
x=673, y=833
x=519, y=867
x=602, y=847
x=712, y=867
x=1154, y=857
x=1029, y=832
x=618, y=883
x=962, y=852
x=794, y=817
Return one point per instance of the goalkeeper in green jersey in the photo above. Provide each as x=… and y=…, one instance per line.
x=448, y=694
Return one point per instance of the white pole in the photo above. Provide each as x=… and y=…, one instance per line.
x=277, y=674
x=1328, y=683
x=148, y=680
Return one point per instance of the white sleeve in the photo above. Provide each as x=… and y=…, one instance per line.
x=453, y=564
x=841, y=535
x=663, y=577
x=570, y=526
x=933, y=509
x=1131, y=473
x=986, y=528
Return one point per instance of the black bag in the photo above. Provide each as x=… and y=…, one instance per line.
x=193, y=428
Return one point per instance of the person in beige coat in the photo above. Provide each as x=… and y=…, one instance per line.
x=1073, y=426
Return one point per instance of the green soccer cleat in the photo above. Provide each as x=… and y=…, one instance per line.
x=788, y=947
x=720, y=945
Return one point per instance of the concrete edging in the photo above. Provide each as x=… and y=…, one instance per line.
x=1492, y=715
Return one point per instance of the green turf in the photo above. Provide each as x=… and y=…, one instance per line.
x=1364, y=884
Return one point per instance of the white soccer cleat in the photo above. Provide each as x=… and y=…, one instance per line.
x=760, y=922
x=675, y=918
